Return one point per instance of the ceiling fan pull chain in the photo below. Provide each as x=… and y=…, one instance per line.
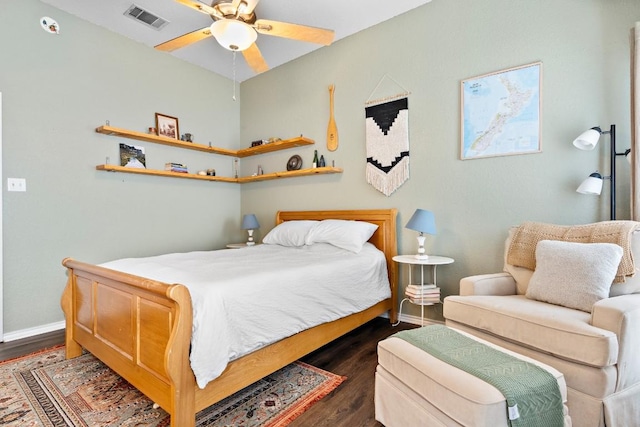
x=234, y=75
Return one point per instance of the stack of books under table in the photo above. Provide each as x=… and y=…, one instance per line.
x=423, y=294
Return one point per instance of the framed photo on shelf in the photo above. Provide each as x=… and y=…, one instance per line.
x=167, y=126
x=132, y=156
x=500, y=113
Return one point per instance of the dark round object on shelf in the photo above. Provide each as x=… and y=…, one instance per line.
x=294, y=163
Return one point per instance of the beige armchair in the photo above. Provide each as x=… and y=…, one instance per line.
x=596, y=346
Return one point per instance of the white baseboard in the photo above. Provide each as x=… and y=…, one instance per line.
x=30, y=332
x=417, y=320
x=414, y=320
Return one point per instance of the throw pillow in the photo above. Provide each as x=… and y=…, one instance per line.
x=574, y=275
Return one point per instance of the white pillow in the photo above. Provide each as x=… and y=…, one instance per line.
x=349, y=235
x=574, y=275
x=289, y=233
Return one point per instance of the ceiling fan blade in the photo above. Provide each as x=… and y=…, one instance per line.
x=247, y=8
x=196, y=5
x=184, y=40
x=254, y=58
x=294, y=31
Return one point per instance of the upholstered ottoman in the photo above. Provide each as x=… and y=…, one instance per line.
x=414, y=388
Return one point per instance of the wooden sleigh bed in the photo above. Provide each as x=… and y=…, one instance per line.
x=141, y=328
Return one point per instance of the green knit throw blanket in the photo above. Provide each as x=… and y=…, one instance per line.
x=532, y=394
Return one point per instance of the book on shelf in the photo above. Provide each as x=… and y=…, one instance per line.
x=420, y=294
x=422, y=287
x=423, y=297
x=170, y=165
x=426, y=292
x=176, y=167
x=425, y=300
x=426, y=297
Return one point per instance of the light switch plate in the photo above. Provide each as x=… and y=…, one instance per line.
x=16, y=184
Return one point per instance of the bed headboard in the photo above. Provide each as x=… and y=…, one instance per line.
x=384, y=237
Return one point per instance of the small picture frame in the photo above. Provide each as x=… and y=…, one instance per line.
x=132, y=156
x=167, y=126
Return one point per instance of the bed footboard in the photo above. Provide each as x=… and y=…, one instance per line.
x=138, y=327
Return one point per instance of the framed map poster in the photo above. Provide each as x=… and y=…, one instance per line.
x=500, y=113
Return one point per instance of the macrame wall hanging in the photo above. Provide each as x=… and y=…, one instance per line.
x=387, y=139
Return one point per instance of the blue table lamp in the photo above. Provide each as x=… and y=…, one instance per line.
x=250, y=223
x=424, y=222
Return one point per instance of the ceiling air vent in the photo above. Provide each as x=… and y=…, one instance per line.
x=145, y=17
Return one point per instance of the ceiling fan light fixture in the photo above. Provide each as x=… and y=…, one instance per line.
x=233, y=35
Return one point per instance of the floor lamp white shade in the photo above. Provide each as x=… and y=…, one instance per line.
x=588, y=139
x=591, y=185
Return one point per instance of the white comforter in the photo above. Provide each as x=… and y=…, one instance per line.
x=245, y=299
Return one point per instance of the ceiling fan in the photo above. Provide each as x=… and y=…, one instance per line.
x=235, y=27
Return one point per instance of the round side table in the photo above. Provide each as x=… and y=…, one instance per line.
x=433, y=261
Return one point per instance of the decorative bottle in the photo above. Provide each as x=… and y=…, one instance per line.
x=315, y=159
x=321, y=163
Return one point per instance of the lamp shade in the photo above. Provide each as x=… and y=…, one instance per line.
x=233, y=35
x=591, y=185
x=588, y=140
x=422, y=221
x=250, y=222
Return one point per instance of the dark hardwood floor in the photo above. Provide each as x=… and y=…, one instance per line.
x=17, y=348
x=354, y=355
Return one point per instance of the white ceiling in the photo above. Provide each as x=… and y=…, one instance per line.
x=345, y=17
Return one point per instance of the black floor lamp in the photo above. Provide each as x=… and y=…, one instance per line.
x=593, y=184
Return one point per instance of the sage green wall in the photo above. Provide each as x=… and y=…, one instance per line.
x=583, y=45
x=56, y=90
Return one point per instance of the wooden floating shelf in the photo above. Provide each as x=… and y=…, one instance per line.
x=140, y=136
x=283, y=144
x=245, y=152
x=242, y=180
x=289, y=174
x=114, y=168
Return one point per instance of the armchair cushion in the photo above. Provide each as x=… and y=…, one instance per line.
x=552, y=329
x=574, y=275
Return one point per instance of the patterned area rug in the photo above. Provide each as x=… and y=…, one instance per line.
x=45, y=389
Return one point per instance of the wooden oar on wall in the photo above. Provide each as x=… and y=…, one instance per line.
x=332, y=129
